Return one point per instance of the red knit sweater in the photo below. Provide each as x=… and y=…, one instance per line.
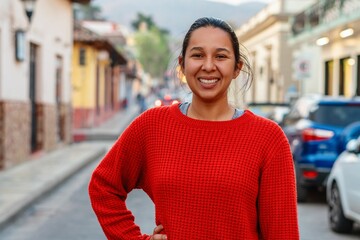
x=226, y=180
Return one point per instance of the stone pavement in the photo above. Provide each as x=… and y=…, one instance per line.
x=21, y=185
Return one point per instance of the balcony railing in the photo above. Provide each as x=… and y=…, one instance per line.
x=324, y=12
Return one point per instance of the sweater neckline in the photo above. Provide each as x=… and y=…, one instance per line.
x=183, y=119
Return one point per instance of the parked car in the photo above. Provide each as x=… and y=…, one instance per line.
x=273, y=111
x=166, y=99
x=343, y=189
x=318, y=128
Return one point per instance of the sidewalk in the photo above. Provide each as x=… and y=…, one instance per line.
x=110, y=130
x=21, y=185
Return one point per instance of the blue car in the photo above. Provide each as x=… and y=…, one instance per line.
x=318, y=129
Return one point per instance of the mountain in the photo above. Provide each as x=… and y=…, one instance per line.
x=176, y=16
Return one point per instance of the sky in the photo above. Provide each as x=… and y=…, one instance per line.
x=125, y=11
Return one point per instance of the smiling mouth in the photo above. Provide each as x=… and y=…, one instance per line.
x=208, y=81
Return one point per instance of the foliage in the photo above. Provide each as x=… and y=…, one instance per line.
x=141, y=18
x=152, y=46
x=87, y=12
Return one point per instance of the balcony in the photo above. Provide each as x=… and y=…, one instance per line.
x=324, y=16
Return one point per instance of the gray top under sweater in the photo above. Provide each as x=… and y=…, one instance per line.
x=185, y=106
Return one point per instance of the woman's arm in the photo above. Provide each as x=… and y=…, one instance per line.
x=118, y=173
x=277, y=203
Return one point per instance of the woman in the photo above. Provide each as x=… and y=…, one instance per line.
x=212, y=171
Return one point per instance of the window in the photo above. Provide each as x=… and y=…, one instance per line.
x=82, y=56
x=346, y=76
x=20, y=45
x=339, y=115
x=358, y=76
x=329, y=77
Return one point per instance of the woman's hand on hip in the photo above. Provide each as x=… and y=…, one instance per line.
x=156, y=234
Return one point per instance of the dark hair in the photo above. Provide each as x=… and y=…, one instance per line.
x=218, y=23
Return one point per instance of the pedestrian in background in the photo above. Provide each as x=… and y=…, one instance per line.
x=212, y=171
x=140, y=98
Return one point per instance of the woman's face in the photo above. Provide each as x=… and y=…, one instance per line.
x=209, y=64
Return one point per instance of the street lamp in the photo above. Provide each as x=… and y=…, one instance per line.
x=29, y=7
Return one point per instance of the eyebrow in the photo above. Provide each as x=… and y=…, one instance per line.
x=218, y=49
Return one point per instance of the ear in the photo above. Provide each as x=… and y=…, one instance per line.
x=239, y=66
x=181, y=62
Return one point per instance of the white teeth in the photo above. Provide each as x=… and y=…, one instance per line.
x=208, y=81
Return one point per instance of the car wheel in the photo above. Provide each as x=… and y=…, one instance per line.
x=338, y=222
x=302, y=193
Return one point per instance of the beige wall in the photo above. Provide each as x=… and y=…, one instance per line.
x=337, y=49
x=265, y=37
x=13, y=75
x=50, y=30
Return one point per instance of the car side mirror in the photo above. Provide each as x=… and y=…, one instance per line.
x=285, y=116
x=353, y=146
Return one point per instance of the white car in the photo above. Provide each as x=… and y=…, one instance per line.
x=343, y=189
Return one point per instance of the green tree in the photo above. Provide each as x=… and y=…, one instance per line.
x=87, y=12
x=152, y=46
x=141, y=18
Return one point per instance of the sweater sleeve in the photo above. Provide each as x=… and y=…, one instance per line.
x=277, y=204
x=117, y=174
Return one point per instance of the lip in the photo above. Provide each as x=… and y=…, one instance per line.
x=208, y=82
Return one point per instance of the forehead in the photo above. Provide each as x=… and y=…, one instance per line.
x=210, y=36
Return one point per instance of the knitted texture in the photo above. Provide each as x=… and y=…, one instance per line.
x=208, y=179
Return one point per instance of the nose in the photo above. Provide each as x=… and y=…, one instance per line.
x=208, y=64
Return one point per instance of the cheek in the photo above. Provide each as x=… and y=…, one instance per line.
x=227, y=70
x=191, y=67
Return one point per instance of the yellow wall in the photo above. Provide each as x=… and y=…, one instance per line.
x=102, y=67
x=84, y=78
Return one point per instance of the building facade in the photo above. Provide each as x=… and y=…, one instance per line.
x=98, y=78
x=35, y=78
x=326, y=36
x=265, y=37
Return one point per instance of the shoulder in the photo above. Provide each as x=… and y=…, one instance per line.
x=263, y=122
x=264, y=127
x=155, y=114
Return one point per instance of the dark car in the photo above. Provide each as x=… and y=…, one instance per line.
x=166, y=99
x=273, y=111
x=318, y=129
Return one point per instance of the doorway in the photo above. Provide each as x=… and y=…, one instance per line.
x=346, y=76
x=58, y=99
x=32, y=96
x=357, y=93
x=329, y=77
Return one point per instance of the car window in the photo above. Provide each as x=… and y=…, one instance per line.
x=337, y=115
x=299, y=110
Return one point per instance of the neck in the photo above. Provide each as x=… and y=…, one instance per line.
x=211, y=111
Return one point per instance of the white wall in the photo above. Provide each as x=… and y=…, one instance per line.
x=294, y=6
x=310, y=81
x=51, y=29
x=267, y=45
x=13, y=80
x=341, y=49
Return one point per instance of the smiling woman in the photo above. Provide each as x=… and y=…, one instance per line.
x=213, y=171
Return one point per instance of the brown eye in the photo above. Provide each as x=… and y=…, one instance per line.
x=221, y=56
x=196, y=55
